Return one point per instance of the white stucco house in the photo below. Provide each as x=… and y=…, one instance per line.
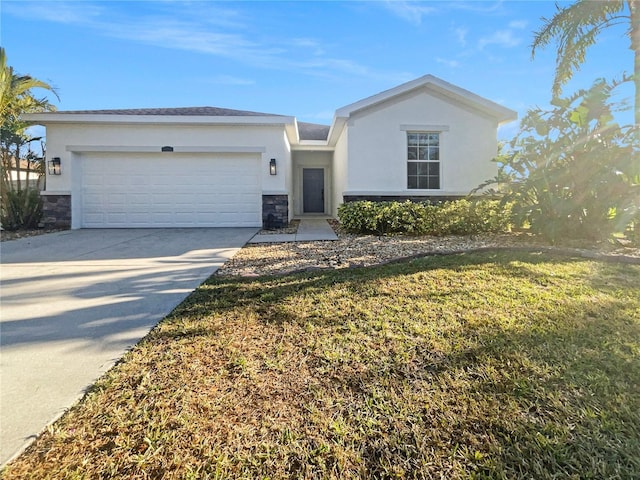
x=215, y=167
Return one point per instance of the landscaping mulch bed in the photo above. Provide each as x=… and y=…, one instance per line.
x=6, y=235
x=290, y=229
x=351, y=251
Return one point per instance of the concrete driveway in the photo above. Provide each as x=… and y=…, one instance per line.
x=72, y=303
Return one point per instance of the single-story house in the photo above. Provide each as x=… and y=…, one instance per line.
x=216, y=167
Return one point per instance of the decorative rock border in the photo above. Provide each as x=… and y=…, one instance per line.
x=352, y=251
x=568, y=252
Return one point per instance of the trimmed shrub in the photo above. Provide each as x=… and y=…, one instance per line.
x=460, y=217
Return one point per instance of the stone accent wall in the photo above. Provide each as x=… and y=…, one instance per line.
x=275, y=211
x=56, y=211
x=401, y=198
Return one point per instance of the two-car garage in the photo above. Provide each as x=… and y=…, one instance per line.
x=169, y=190
x=167, y=167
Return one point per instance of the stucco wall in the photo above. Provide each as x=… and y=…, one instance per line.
x=271, y=138
x=287, y=173
x=378, y=145
x=340, y=170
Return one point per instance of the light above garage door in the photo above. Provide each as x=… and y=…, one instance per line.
x=170, y=190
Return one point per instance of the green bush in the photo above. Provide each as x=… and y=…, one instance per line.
x=633, y=231
x=21, y=209
x=460, y=217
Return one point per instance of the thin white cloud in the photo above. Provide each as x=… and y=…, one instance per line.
x=208, y=13
x=412, y=12
x=485, y=8
x=185, y=36
x=230, y=80
x=518, y=24
x=310, y=45
x=461, y=35
x=449, y=63
x=209, y=29
x=58, y=12
x=500, y=38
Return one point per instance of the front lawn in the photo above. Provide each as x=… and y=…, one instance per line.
x=488, y=365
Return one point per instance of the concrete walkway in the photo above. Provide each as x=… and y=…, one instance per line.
x=74, y=302
x=309, y=230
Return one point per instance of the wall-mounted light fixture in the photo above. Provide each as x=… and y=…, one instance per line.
x=54, y=166
x=272, y=167
x=166, y=148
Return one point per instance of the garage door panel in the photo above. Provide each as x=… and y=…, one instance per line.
x=140, y=199
x=115, y=199
x=95, y=218
x=90, y=180
x=139, y=218
x=174, y=191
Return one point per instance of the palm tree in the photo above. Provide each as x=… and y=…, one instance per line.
x=16, y=156
x=575, y=28
x=16, y=97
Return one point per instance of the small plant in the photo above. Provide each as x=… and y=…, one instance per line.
x=460, y=217
x=21, y=209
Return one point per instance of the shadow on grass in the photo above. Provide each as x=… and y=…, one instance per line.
x=222, y=293
x=487, y=365
x=557, y=396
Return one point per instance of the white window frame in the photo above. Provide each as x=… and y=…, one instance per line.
x=438, y=161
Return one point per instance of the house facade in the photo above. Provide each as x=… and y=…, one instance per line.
x=215, y=167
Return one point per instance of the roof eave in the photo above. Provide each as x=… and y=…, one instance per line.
x=337, y=125
x=493, y=109
x=292, y=132
x=313, y=146
x=56, y=118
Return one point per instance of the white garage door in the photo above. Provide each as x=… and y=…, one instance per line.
x=171, y=190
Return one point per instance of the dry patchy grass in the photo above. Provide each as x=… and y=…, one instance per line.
x=492, y=365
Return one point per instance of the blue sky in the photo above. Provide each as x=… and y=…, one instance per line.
x=304, y=59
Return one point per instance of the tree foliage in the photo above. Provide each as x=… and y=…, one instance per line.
x=576, y=28
x=22, y=168
x=572, y=171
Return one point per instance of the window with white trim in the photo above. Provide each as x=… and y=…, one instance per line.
x=423, y=160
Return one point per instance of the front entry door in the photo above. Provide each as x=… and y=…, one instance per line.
x=313, y=190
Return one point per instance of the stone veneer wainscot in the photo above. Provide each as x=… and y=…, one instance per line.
x=402, y=198
x=275, y=211
x=56, y=210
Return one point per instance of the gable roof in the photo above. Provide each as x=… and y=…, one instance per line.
x=430, y=82
x=296, y=131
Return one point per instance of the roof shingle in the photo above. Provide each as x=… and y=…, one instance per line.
x=182, y=111
x=313, y=131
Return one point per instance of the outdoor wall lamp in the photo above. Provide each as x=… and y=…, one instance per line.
x=272, y=167
x=166, y=148
x=54, y=166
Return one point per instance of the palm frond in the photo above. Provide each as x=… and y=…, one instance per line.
x=575, y=29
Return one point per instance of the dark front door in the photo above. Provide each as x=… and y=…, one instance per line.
x=313, y=190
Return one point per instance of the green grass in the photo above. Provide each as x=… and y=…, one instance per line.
x=492, y=365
